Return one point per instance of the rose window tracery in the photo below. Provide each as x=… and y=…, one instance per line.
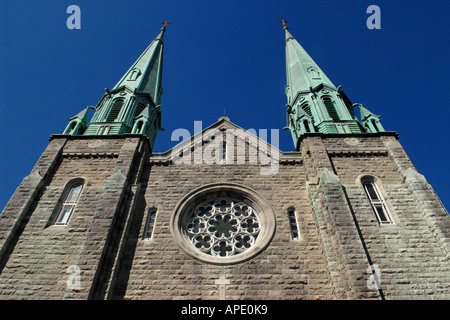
x=223, y=227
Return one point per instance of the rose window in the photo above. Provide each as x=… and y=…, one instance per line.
x=223, y=227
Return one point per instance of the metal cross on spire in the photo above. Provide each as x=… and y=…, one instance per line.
x=165, y=23
x=284, y=23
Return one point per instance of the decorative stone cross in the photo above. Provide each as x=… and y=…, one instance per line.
x=222, y=282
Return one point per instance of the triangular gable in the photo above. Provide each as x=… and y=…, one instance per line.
x=226, y=143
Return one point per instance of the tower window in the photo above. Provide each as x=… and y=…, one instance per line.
x=331, y=109
x=305, y=123
x=307, y=109
x=139, y=109
x=69, y=204
x=150, y=226
x=378, y=204
x=295, y=234
x=115, y=110
x=375, y=125
x=139, y=127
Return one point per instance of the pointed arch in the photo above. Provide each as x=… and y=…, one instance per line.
x=115, y=109
x=293, y=223
x=306, y=125
x=150, y=224
x=71, y=127
x=68, y=202
x=307, y=108
x=376, y=199
x=137, y=128
x=331, y=108
x=141, y=107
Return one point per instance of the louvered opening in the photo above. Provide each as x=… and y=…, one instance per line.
x=115, y=110
x=331, y=109
x=139, y=109
x=307, y=109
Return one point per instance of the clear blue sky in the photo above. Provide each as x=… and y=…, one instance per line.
x=224, y=55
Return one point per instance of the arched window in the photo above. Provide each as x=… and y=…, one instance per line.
x=139, y=109
x=150, y=225
x=306, y=125
x=103, y=130
x=71, y=127
x=68, y=206
x=138, y=127
x=134, y=74
x=307, y=109
x=295, y=234
x=115, y=110
x=378, y=204
x=223, y=153
x=331, y=109
x=375, y=125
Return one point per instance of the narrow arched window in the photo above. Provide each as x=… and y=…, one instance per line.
x=70, y=202
x=295, y=234
x=150, y=225
x=306, y=125
x=139, y=127
x=115, y=110
x=378, y=204
x=139, y=109
x=223, y=152
x=331, y=109
x=375, y=125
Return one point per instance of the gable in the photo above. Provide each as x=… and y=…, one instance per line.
x=225, y=143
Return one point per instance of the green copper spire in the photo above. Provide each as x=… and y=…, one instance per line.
x=369, y=120
x=145, y=75
x=137, y=96
x=303, y=74
x=314, y=102
x=77, y=124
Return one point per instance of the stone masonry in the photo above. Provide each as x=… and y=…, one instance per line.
x=340, y=237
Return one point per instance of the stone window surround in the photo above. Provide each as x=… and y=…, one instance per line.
x=362, y=179
x=223, y=226
x=210, y=192
x=67, y=188
x=150, y=222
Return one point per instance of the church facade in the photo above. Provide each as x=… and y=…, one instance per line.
x=224, y=214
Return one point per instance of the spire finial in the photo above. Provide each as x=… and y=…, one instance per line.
x=284, y=24
x=165, y=23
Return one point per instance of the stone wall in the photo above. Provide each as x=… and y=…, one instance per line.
x=286, y=269
x=37, y=254
x=340, y=236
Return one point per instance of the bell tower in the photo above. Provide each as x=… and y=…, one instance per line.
x=133, y=105
x=367, y=195
x=72, y=212
x=314, y=103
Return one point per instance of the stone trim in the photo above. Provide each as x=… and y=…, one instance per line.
x=186, y=205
